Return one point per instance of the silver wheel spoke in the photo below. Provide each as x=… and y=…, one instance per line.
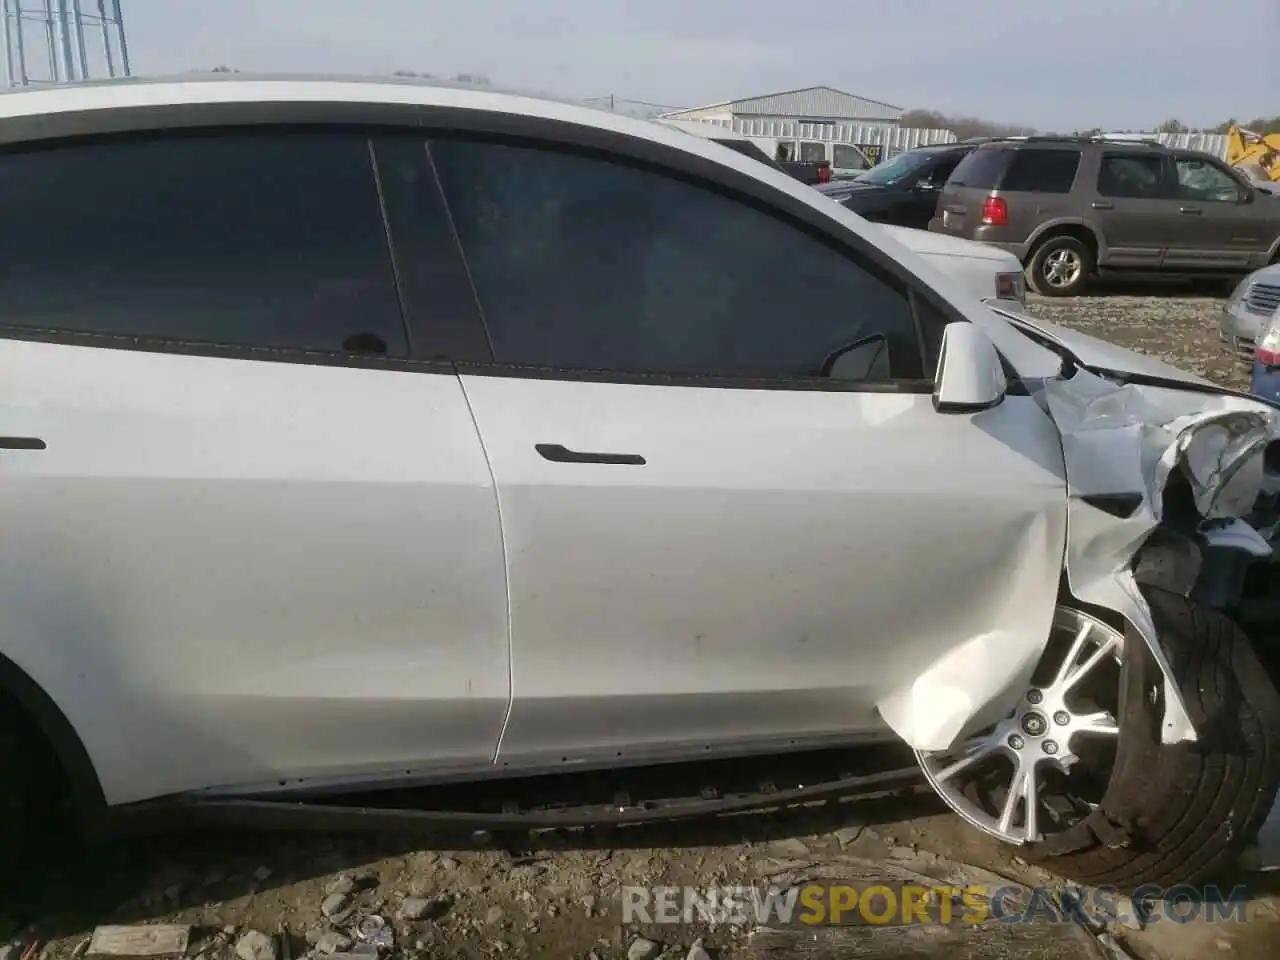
x=1095, y=658
x=1030, y=793
x=1016, y=790
x=984, y=749
x=1073, y=654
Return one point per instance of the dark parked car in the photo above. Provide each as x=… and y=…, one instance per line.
x=1071, y=208
x=902, y=191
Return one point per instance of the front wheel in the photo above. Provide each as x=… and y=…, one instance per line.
x=1077, y=775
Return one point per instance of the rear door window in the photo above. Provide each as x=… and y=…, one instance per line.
x=1138, y=177
x=244, y=238
x=981, y=169
x=1041, y=171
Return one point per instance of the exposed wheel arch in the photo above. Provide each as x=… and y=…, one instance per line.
x=62, y=742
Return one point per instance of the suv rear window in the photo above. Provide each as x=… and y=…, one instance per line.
x=981, y=169
x=1041, y=171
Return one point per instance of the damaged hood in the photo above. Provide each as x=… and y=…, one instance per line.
x=1098, y=355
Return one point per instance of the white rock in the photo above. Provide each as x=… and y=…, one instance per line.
x=642, y=949
x=255, y=945
x=790, y=847
x=331, y=941
x=262, y=873
x=343, y=885
x=414, y=908
x=696, y=952
x=334, y=905
x=494, y=915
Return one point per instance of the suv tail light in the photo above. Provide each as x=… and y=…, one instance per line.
x=995, y=212
x=824, y=173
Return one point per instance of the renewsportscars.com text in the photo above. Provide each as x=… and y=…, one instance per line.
x=820, y=904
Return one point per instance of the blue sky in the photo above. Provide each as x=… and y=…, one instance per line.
x=1111, y=63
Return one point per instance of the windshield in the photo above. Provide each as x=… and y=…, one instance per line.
x=902, y=167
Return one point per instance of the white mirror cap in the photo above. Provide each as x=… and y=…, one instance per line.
x=970, y=375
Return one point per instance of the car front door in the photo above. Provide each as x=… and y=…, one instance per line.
x=720, y=528
x=246, y=540
x=1131, y=209
x=1220, y=225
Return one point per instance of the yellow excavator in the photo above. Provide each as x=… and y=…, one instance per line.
x=1256, y=155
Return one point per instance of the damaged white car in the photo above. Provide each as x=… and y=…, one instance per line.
x=361, y=433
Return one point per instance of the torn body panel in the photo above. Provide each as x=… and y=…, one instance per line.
x=1130, y=438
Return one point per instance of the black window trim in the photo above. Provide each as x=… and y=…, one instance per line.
x=391, y=119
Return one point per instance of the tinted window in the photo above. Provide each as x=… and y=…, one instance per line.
x=265, y=239
x=1200, y=180
x=581, y=263
x=981, y=169
x=945, y=168
x=437, y=293
x=1131, y=176
x=1041, y=171
x=811, y=152
x=847, y=158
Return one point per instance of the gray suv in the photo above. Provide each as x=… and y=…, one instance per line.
x=1072, y=208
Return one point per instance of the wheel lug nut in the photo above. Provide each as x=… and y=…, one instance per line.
x=1034, y=696
x=1062, y=718
x=1016, y=742
x=1050, y=747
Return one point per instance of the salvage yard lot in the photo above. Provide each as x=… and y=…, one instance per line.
x=443, y=898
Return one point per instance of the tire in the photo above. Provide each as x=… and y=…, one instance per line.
x=1180, y=813
x=1050, y=257
x=33, y=799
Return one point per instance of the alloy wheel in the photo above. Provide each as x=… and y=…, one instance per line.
x=1043, y=767
x=1062, y=268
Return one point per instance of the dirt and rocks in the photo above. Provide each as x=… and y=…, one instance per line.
x=326, y=897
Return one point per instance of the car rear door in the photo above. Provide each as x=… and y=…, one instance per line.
x=1219, y=226
x=720, y=529
x=247, y=540
x=1130, y=208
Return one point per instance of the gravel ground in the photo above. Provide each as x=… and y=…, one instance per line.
x=440, y=897
x=1182, y=331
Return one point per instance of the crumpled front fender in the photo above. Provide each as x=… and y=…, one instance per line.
x=1127, y=439
x=1121, y=444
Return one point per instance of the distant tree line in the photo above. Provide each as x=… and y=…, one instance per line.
x=963, y=127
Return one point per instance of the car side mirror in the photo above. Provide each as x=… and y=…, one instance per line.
x=970, y=375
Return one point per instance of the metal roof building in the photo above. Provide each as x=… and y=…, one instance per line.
x=810, y=105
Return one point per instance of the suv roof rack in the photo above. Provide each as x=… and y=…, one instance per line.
x=1064, y=138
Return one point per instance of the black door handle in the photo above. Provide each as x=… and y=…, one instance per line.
x=22, y=443
x=560, y=454
x=1194, y=211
